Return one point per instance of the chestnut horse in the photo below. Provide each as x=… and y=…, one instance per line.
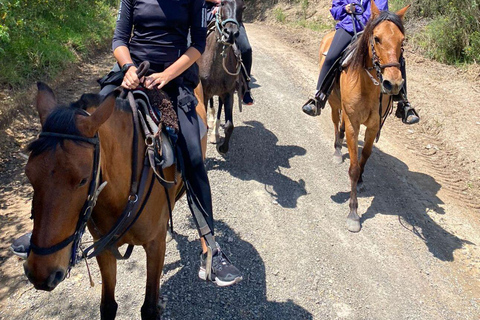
x=220, y=66
x=61, y=168
x=362, y=93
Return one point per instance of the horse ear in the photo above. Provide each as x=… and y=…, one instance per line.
x=374, y=9
x=401, y=12
x=90, y=125
x=45, y=101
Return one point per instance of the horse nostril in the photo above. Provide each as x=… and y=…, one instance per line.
x=387, y=85
x=55, y=278
x=237, y=33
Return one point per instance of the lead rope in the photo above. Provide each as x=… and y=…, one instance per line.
x=92, y=284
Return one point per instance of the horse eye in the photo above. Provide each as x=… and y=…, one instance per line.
x=83, y=182
x=377, y=40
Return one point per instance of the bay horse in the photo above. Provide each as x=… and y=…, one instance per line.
x=220, y=66
x=361, y=95
x=89, y=141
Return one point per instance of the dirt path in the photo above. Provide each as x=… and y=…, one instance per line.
x=280, y=206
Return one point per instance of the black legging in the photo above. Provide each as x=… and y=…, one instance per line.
x=244, y=46
x=340, y=41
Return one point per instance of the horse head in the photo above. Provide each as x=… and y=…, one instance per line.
x=60, y=169
x=381, y=47
x=229, y=17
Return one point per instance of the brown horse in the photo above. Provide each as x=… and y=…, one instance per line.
x=361, y=94
x=61, y=169
x=220, y=66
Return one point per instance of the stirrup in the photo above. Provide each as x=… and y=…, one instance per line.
x=404, y=111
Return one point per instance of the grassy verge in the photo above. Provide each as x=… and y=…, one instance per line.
x=39, y=38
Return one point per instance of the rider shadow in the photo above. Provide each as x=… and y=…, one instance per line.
x=191, y=298
x=409, y=195
x=241, y=162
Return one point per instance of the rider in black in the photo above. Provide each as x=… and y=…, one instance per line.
x=243, y=45
x=157, y=31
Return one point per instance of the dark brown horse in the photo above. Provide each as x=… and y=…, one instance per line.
x=361, y=95
x=61, y=169
x=220, y=66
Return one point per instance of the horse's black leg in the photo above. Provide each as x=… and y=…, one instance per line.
x=108, y=269
x=228, y=102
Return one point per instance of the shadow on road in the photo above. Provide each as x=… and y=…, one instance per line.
x=192, y=298
x=409, y=195
x=255, y=155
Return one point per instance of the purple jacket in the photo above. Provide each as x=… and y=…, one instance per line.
x=345, y=21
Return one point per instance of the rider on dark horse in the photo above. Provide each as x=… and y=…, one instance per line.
x=156, y=31
x=350, y=16
x=243, y=45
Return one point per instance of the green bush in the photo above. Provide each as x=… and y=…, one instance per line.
x=38, y=38
x=453, y=33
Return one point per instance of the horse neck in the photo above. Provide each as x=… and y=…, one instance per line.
x=116, y=138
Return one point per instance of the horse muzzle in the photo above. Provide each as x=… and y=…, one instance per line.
x=230, y=33
x=44, y=279
x=392, y=87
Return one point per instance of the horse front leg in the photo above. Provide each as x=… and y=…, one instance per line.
x=353, y=220
x=155, y=250
x=214, y=137
x=370, y=135
x=339, y=128
x=228, y=103
x=108, y=269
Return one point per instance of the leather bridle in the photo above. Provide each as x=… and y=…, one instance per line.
x=94, y=190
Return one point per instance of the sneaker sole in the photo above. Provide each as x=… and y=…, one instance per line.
x=22, y=255
x=203, y=275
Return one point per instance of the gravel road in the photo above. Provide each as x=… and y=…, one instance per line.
x=280, y=207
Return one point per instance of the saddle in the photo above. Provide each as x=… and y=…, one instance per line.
x=159, y=122
x=341, y=63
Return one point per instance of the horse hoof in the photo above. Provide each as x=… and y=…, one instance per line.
x=222, y=149
x=337, y=158
x=353, y=225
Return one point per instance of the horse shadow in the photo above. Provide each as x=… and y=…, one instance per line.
x=256, y=156
x=192, y=298
x=412, y=198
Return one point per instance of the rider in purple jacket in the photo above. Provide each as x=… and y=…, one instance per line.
x=341, y=11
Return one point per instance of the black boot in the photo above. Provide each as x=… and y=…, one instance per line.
x=406, y=112
x=314, y=106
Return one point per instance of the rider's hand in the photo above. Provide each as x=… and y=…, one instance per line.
x=130, y=80
x=349, y=8
x=158, y=79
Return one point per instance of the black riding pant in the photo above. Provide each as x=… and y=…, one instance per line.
x=244, y=46
x=340, y=41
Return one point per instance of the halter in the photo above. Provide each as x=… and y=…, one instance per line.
x=379, y=67
x=220, y=26
x=93, y=192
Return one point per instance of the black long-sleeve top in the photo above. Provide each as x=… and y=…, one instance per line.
x=160, y=29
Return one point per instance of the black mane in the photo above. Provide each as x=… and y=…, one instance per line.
x=360, y=59
x=62, y=120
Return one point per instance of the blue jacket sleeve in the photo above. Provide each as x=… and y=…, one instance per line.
x=338, y=9
x=382, y=5
x=198, y=25
x=123, y=28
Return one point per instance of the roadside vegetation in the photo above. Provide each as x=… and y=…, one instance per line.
x=445, y=30
x=39, y=38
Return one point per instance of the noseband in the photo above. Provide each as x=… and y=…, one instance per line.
x=93, y=191
x=220, y=25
